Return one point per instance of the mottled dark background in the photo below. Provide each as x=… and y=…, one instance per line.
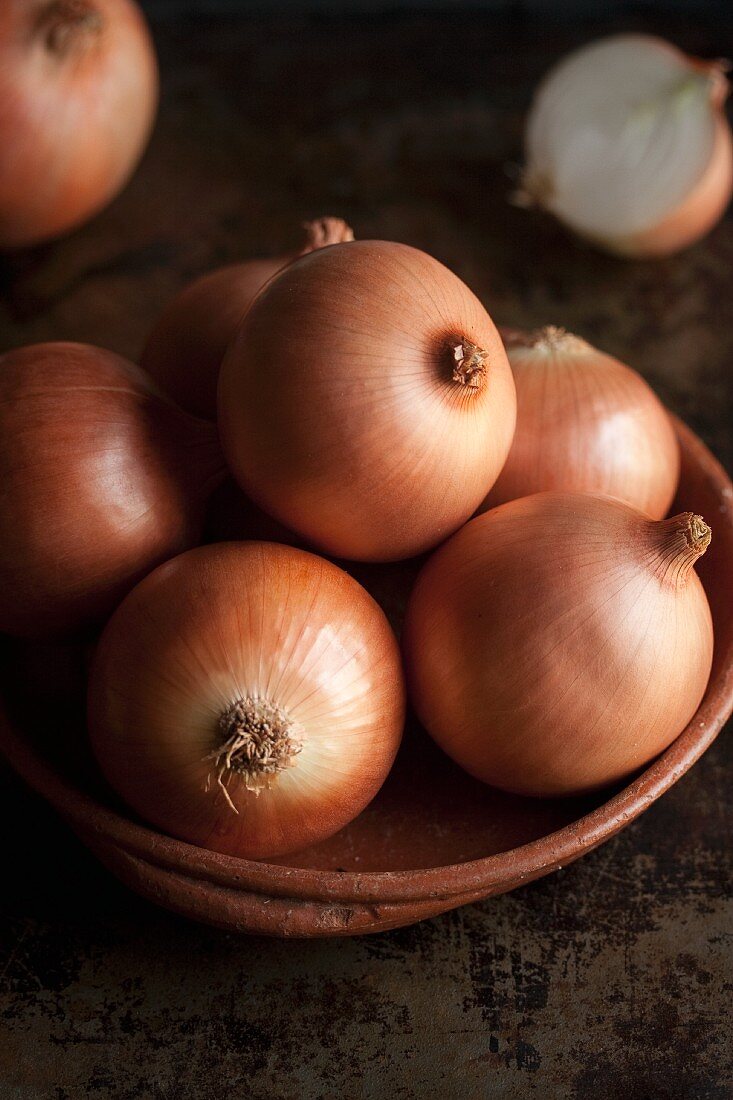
x=610, y=979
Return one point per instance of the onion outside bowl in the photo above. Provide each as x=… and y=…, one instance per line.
x=433, y=839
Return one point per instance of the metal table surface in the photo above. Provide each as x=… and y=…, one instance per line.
x=611, y=978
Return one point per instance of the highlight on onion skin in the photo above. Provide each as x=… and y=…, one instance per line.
x=366, y=401
x=585, y=423
x=561, y=641
x=628, y=144
x=185, y=349
x=101, y=479
x=78, y=96
x=247, y=697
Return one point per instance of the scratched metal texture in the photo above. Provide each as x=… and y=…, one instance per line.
x=610, y=979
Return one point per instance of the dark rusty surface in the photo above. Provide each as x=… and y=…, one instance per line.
x=612, y=978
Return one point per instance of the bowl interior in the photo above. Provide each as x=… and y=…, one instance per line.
x=429, y=813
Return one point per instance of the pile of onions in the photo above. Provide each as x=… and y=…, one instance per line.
x=186, y=346
x=101, y=479
x=560, y=641
x=628, y=144
x=247, y=697
x=366, y=401
x=78, y=95
x=586, y=423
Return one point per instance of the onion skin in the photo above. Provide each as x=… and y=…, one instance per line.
x=585, y=423
x=247, y=620
x=100, y=480
x=185, y=349
x=559, y=642
x=346, y=412
x=702, y=209
x=78, y=96
x=231, y=517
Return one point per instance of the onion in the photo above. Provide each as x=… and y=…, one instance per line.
x=585, y=422
x=78, y=94
x=366, y=401
x=628, y=144
x=231, y=516
x=100, y=480
x=560, y=641
x=185, y=349
x=247, y=697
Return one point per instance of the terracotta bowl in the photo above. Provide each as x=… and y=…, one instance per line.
x=432, y=840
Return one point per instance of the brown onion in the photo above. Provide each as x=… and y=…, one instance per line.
x=78, y=94
x=185, y=349
x=100, y=480
x=247, y=697
x=587, y=423
x=366, y=401
x=231, y=516
x=560, y=641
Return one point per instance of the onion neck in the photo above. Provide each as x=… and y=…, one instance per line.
x=70, y=25
x=323, y=232
x=258, y=740
x=678, y=543
x=550, y=340
x=469, y=364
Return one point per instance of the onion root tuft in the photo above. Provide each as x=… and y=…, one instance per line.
x=259, y=742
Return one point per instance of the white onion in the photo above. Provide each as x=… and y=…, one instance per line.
x=627, y=144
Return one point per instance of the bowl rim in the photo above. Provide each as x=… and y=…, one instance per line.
x=448, y=881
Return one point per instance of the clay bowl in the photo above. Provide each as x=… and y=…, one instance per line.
x=432, y=840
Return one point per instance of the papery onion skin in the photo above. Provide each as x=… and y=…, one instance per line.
x=185, y=349
x=366, y=401
x=231, y=517
x=585, y=423
x=687, y=217
x=559, y=642
x=101, y=479
x=247, y=621
x=78, y=96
